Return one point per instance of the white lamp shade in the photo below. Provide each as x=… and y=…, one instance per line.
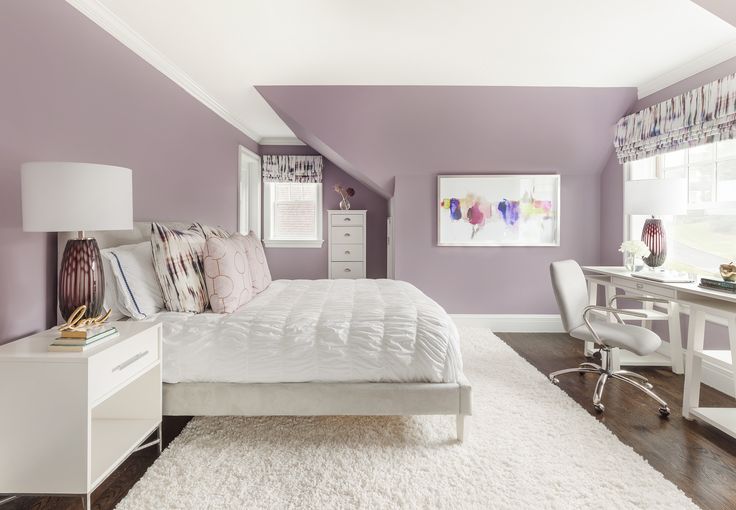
x=656, y=197
x=67, y=197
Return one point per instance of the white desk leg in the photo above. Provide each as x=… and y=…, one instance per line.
x=675, y=337
x=693, y=365
x=589, y=347
x=648, y=305
x=732, y=339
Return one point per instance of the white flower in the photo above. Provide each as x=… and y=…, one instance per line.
x=636, y=248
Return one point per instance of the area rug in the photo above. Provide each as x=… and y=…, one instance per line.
x=529, y=446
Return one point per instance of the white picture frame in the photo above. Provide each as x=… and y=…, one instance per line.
x=498, y=210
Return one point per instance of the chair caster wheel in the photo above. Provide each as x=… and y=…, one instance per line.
x=599, y=407
x=554, y=380
x=664, y=411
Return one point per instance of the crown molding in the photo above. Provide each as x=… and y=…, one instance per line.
x=280, y=140
x=112, y=24
x=706, y=61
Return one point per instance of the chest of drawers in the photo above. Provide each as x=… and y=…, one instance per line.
x=346, y=253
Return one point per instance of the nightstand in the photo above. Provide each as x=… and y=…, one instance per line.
x=70, y=419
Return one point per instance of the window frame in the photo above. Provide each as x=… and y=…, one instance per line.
x=268, y=211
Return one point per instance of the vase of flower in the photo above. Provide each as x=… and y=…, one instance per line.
x=345, y=193
x=633, y=252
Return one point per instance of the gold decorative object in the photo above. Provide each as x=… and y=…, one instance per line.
x=77, y=322
x=728, y=272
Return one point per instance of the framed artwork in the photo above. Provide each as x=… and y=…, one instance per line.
x=498, y=210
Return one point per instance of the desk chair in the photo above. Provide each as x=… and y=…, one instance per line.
x=589, y=323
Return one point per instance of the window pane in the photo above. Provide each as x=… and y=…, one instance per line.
x=294, y=207
x=643, y=169
x=701, y=183
x=701, y=242
x=702, y=153
x=675, y=159
x=726, y=174
x=675, y=173
x=726, y=149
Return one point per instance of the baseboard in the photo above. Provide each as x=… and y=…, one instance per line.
x=719, y=378
x=511, y=323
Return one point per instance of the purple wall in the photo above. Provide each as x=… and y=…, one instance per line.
x=312, y=262
x=400, y=138
x=71, y=92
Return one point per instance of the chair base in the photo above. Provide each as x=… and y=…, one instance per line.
x=605, y=373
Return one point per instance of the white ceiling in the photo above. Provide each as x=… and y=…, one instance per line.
x=220, y=49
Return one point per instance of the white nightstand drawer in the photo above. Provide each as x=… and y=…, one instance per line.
x=347, y=235
x=346, y=252
x=347, y=270
x=347, y=220
x=121, y=362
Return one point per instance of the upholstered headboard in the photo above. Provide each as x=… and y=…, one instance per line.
x=109, y=238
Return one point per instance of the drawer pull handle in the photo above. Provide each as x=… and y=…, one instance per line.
x=127, y=363
x=347, y=252
x=346, y=219
x=347, y=269
x=347, y=234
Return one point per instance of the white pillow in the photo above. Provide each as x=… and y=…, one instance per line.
x=111, y=292
x=139, y=292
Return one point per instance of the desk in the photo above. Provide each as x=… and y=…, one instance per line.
x=701, y=303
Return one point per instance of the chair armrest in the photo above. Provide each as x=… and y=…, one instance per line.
x=612, y=301
x=616, y=313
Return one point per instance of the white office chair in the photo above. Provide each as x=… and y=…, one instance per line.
x=589, y=323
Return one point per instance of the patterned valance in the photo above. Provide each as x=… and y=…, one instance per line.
x=292, y=168
x=703, y=115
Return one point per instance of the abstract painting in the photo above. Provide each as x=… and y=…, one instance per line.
x=498, y=210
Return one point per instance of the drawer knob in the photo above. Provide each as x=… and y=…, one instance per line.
x=130, y=361
x=347, y=234
x=347, y=252
x=347, y=269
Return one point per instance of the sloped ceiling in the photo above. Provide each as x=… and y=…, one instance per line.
x=378, y=132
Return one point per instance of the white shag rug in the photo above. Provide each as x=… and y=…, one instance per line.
x=529, y=446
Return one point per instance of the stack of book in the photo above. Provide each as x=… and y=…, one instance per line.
x=78, y=340
x=708, y=283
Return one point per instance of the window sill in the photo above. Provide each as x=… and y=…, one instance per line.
x=272, y=243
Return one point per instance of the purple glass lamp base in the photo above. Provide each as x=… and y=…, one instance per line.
x=653, y=235
x=81, y=279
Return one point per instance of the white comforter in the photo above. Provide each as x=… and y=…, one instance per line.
x=316, y=330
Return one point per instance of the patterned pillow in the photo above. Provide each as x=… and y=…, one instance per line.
x=178, y=260
x=259, y=271
x=226, y=273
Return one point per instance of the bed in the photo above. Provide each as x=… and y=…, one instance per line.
x=312, y=347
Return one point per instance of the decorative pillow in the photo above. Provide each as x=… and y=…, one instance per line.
x=259, y=271
x=111, y=292
x=177, y=260
x=138, y=290
x=226, y=273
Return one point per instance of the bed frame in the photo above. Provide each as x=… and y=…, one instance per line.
x=298, y=399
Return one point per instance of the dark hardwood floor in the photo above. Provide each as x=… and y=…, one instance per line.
x=698, y=458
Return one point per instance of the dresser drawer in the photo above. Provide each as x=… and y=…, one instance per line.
x=346, y=252
x=347, y=235
x=641, y=286
x=118, y=363
x=347, y=270
x=347, y=220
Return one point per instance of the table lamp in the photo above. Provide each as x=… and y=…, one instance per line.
x=68, y=197
x=655, y=197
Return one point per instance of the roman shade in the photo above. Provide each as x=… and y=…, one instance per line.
x=703, y=115
x=292, y=168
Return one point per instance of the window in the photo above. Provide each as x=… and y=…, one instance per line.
x=705, y=237
x=293, y=214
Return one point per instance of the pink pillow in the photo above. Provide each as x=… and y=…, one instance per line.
x=259, y=271
x=227, y=274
